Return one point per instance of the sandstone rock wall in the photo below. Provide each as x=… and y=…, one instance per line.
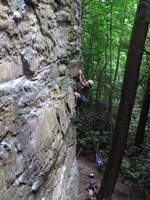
x=39, y=54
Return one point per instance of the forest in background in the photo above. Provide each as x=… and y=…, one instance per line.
x=107, y=27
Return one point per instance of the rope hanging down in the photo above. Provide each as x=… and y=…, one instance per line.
x=99, y=161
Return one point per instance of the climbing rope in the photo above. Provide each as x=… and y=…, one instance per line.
x=99, y=161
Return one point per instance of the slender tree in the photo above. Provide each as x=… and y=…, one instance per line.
x=128, y=94
x=139, y=139
x=99, y=82
x=109, y=114
x=119, y=47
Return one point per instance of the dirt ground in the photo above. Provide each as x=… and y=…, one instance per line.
x=122, y=192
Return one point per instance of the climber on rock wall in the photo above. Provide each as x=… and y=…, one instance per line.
x=81, y=96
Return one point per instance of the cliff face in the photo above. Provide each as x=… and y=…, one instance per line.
x=40, y=52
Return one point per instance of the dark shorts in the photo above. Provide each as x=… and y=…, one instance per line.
x=83, y=99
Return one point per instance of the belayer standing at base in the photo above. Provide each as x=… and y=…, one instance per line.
x=81, y=96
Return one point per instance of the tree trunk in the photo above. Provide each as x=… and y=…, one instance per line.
x=139, y=139
x=99, y=81
x=89, y=59
x=109, y=114
x=128, y=94
x=119, y=48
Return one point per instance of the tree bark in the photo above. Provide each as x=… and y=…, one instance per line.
x=119, y=48
x=99, y=81
x=128, y=94
x=139, y=139
x=87, y=67
x=109, y=114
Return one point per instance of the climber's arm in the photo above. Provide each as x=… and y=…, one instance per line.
x=81, y=78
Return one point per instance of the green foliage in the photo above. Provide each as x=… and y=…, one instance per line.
x=125, y=165
x=105, y=41
x=138, y=170
x=95, y=38
x=98, y=137
x=129, y=173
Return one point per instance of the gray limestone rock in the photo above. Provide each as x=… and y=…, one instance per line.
x=29, y=65
x=40, y=53
x=16, y=16
x=63, y=16
x=31, y=2
x=35, y=186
